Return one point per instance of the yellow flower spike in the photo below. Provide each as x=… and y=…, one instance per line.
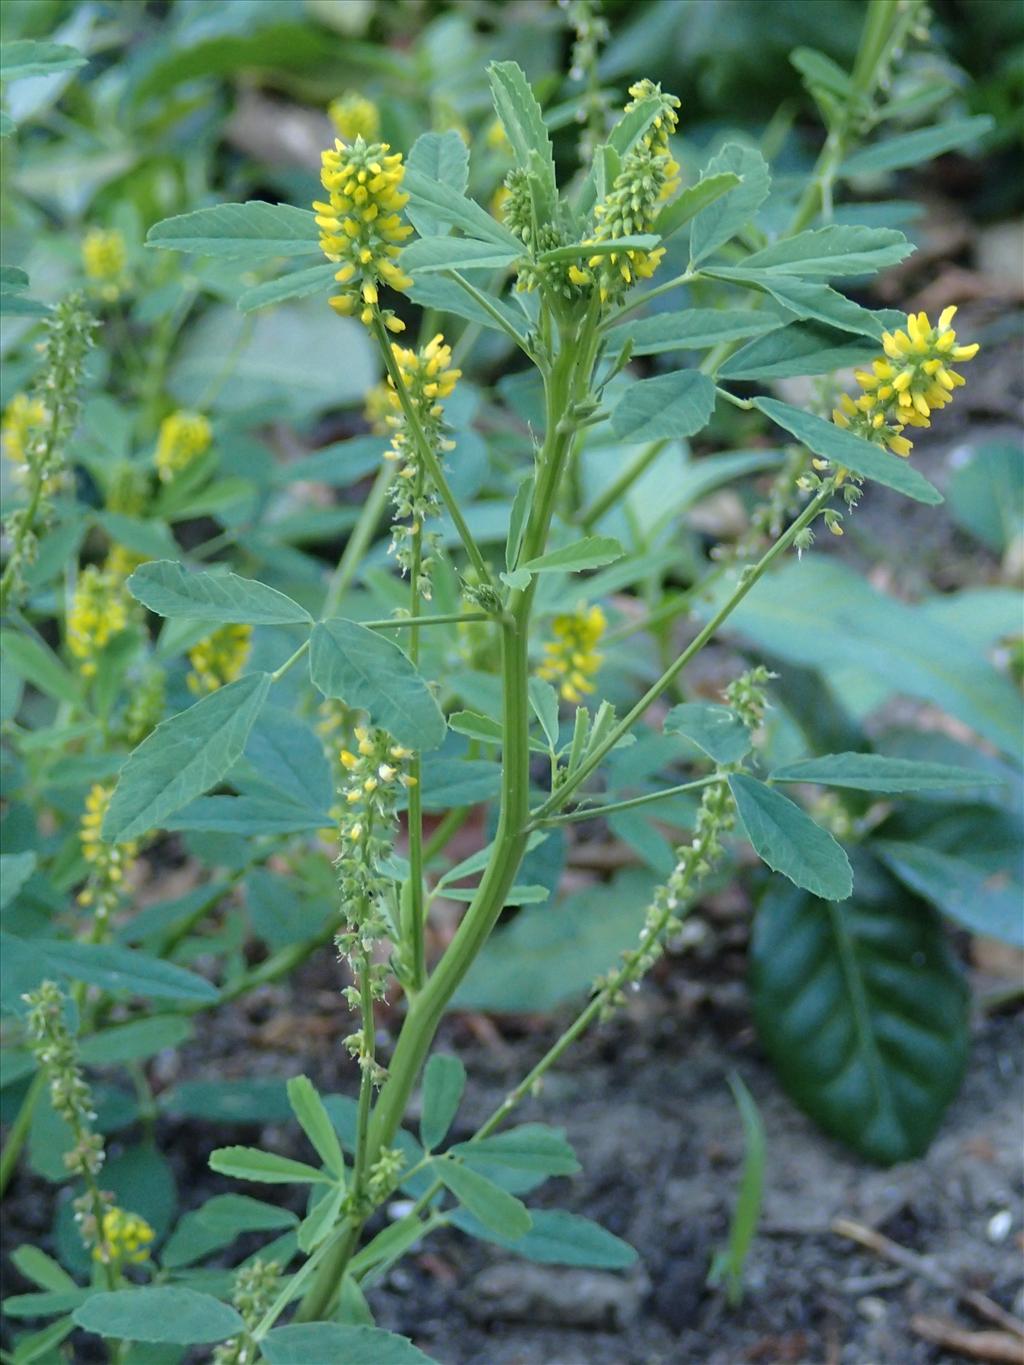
x=219, y=658
x=361, y=225
x=98, y=611
x=183, y=437
x=24, y=423
x=105, y=257
x=123, y=1238
x=571, y=658
x=108, y=863
x=909, y=393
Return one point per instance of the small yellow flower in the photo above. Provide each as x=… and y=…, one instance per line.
x=24, y=418
x=219, y=658
x=108, y=863
x=105, y=256
x=122, y=562
x=571, y=659
x=353, y=115
x=184, y=436
x=124, y=1239
x=913, y=379
x=361, y=228
x=376, y=407
x=649, y=176
x=496, y=138
x=99, y=611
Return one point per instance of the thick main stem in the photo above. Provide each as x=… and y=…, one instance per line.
x=568, y=380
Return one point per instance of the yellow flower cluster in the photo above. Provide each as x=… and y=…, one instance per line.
x=913, y=379
x=219, y=658
x=105, y=256
x=427, y=377
x=183, y=437
x=571, y=659
x=361, y=227
x=108, y=863
x=124, y=1239
x=649, y=176
x=353, y=115
x=23, y=418
x=373, y=771
x=99, y=611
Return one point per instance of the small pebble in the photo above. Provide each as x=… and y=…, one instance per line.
x=999, y=1225
x=872, y=1309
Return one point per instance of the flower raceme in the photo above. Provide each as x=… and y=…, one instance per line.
x=353, y=115
x=219, y=658
x=105, y=256
x=911, y=380
x=108, y=863
x=99, y=610
x=124, y=1238
x=183, y=437
x=649, y=176
x=427, y=377
x=571, y=659
x=361, y=226
x=24, y=418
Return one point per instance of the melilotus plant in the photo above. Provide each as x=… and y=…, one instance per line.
x=282, y=733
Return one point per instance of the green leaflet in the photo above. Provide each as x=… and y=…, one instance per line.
x=845, y=449
x=716, y=730
x=161, y=1314
x=521, y=117
x=804, y=298
x=363, y=668
x=558, y=1238
x=527, y=1147
x=910, y=149
x=721, y=220
x=863, y=1011
x=879, y=773
x=802, y=348
x=672, y=405
x=321, y=1342
x=296, y=285
x=692, y=200
x=690, y=329
x=789, y=841
x=456, y=253
x=183, y=757
x=167, y=588
x=250, y=1163
x=26, y=57
x=833, y=252
x=308, y=1108
x=444, y=1080
x=443, y=158
x=250, y=231
x=499, y=1211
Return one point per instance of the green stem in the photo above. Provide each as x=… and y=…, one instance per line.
x=366, y=1062
x=19, y=1130
x=748, y=578
x=430, y=462
x=885, y=27
x=485, y=303
x=446, y=619
x=591, y=515
x=592, y=1011
x=279, y=673
x=566, y=383
x=359, y=541
x=414, y=816
x=598, y=812
x=450, y=823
